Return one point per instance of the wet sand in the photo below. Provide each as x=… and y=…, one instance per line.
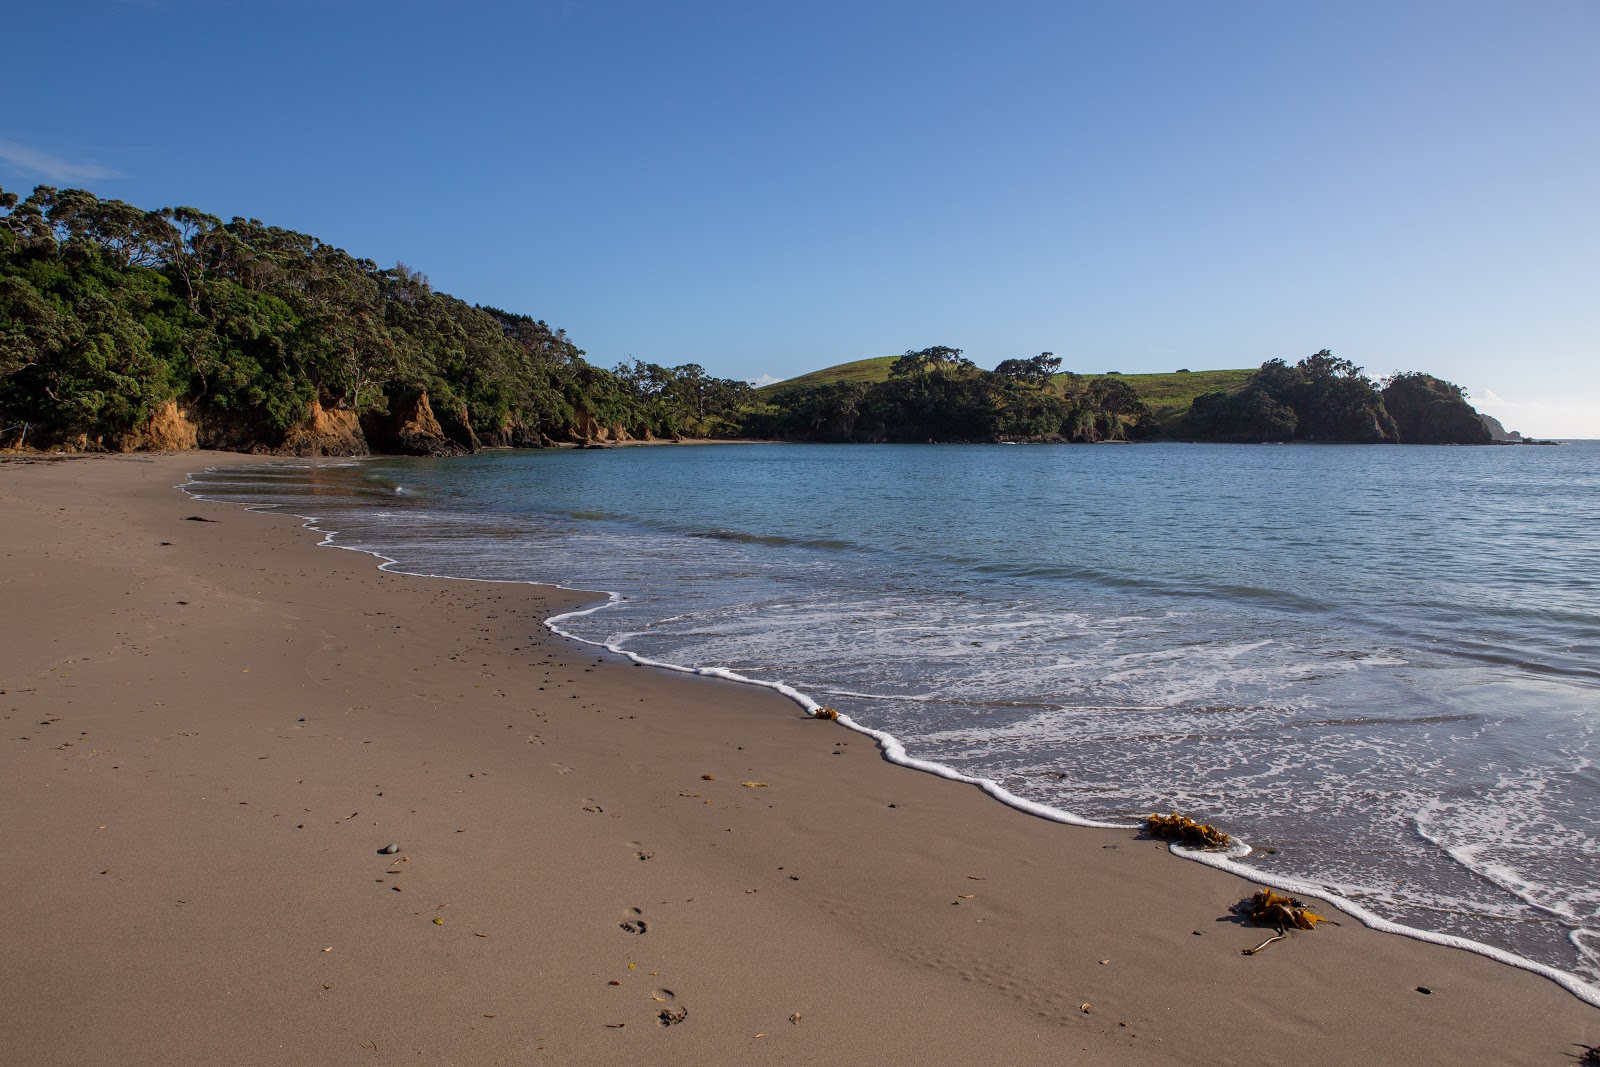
x=208, y=729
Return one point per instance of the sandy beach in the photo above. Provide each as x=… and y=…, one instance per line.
x=211, y=727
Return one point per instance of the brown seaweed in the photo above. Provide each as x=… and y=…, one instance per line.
x=1183, y=829
x=1267, y=908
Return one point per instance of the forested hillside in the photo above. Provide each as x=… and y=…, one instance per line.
x=937, y=394
x=122, y=328
x=125, y=328
x=1323, y=398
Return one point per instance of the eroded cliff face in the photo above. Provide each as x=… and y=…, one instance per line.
x=513, y=434
x=456, y=425
x=170, y=428
x=326, y=433
x=586, y=429
x=412, y=429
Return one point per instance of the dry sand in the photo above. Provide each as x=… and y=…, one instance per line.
x=210, y=728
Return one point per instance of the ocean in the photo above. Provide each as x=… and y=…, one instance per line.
x=1377, y=667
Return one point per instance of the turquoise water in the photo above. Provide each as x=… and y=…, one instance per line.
x=1379, y=666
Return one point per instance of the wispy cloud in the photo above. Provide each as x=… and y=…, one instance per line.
x=52, y=168
x=765, y=379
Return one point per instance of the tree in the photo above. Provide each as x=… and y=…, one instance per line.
x=1037, y=371
x=1251, y=415
x=938, y=359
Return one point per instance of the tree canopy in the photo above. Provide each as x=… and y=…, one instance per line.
x=1324, y=398
x=937, y=394
x=107, y=311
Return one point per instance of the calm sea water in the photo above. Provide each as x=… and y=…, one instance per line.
x=1382, y=664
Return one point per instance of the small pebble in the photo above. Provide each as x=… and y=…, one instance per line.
x=388, y=850
x=1424, y=989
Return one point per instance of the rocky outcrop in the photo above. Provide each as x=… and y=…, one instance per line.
x=456, y=425
x=513, y=434
x=1428, y=411
x=1498, y=432
x=326, y=433
x=170, y=428
x=410, y=428
x=586, y=429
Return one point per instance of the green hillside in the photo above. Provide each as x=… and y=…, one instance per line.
x=1168, y=394
x=866, y=371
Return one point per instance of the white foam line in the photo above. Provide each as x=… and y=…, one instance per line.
x=1587, y=992
x=895, y=752
x=936, y=699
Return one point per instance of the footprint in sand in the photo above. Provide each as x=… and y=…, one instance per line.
x=589, y=804
x=633, y=921
x=671, y=1012
x=561, y=768
x=640, y=851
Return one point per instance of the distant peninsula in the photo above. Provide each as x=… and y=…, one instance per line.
x=125, y=329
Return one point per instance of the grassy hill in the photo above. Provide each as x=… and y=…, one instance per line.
x=1168, y=394
x=865, y=371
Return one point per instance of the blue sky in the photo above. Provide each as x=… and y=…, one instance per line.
x=766, y=189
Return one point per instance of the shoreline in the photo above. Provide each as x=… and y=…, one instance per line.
x=893, y=751
x=875, y=951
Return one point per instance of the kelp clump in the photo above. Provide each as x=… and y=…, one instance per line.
x=1186, y=831
x=1269, y=909
x=825, y=713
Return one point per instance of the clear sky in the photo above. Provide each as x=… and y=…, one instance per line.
x=769, y=188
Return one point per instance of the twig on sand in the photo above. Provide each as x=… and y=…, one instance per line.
x=1264, y=944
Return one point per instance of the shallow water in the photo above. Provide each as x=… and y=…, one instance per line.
x=1381, y=663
